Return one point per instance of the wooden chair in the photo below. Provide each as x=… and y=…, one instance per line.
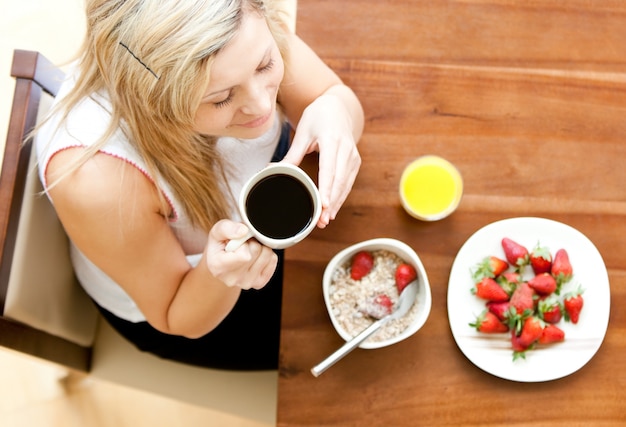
x=43, y=310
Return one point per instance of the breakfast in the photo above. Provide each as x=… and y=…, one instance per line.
x=367, y=287
x=523, y=294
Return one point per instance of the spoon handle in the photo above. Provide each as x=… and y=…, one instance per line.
x=348, y=347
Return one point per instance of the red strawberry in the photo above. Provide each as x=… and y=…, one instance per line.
x=384, y=302
x=513, y=277
x=509, y=281
x=543, y=284
x=490, y=266
x=573, y=304
x=523, y=298
x=551, y=334
x=405, y=274
x=531, y=331
x=500, y=309
x=561, y=268
x=362, y=263
x=488, y=289
x=519, y=350
x=550, y=310
x=380, y=306
x=515, y=253
x=540, y=259
x=488, y=323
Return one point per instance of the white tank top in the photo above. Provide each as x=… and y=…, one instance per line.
x=84, y=126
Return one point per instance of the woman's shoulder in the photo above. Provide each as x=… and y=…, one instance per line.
x=102, y=183
x=66, y=136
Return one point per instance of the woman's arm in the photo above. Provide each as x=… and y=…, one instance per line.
x=306, y=78
x=111, y=211
x=328, y=118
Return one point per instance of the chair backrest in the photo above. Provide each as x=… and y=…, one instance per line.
x=44, y=312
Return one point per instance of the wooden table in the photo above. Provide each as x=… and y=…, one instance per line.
x=528, y=100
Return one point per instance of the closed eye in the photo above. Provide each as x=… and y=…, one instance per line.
x=229, y=99
x=225, y=102
x=266, y=67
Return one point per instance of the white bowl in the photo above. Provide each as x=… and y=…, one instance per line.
x=423, y=298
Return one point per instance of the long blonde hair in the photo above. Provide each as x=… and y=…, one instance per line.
x=152, y=60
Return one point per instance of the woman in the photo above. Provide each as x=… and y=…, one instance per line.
x=172, y=106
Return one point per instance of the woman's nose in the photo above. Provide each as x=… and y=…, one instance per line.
x=258, y=100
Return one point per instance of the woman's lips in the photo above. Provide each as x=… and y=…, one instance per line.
x=257, y=122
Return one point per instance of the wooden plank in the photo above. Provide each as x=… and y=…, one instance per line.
x=536, y=144
x=572, y=35
x=14, y=172
x=25, y=339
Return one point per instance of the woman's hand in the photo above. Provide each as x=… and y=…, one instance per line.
x=327, y=126
x=328, y=118
x=251, y=266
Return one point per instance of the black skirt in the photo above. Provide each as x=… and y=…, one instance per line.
x=247, y=339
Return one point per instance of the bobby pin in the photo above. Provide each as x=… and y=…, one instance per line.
x=140, y=61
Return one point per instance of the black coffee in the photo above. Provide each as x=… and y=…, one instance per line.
x=279, y=206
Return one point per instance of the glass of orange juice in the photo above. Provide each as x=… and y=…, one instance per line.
x=430, y=188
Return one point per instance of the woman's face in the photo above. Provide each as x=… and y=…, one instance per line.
x=240, y=99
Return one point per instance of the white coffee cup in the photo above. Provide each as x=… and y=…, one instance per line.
x=280, y=205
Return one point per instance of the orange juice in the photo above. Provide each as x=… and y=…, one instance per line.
x=430, y=188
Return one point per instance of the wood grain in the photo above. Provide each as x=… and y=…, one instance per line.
x=528, y=100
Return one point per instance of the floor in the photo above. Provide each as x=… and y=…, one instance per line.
x=37, y=394
x=34, y=393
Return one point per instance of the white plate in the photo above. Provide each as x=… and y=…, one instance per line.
x=492, y=352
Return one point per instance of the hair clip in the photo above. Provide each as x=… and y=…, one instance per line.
x=140, y=61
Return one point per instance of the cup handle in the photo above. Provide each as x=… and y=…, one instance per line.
x=234, y=244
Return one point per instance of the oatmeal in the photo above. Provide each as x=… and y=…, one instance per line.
x=349, y=298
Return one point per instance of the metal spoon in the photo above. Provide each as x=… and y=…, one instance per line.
x=407, y=298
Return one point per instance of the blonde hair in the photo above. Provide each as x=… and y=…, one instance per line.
x=152, y=59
